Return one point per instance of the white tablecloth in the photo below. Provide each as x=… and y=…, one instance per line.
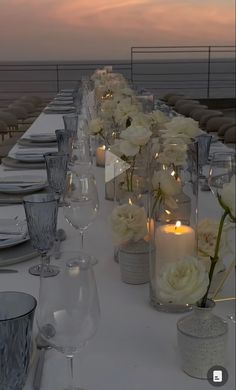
x=135, y=347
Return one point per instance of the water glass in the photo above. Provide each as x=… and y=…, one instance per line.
x=204, y=143
x=71, y=125
x=63, y=141
x=41, y=215
x=56, y=165
x=222, y=169
x=16, y=322
x=81, y=157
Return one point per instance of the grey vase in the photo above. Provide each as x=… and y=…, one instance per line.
x=202, y=341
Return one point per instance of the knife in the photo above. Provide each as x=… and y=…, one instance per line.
x=8, y=271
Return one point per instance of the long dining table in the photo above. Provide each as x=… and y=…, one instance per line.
x=135, y=347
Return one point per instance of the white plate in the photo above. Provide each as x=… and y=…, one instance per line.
x=21, y=184
x=17, y=254
x=11, y=225
x=59, y=108
x=29, y=157
x=42, y=137
x=61, y=102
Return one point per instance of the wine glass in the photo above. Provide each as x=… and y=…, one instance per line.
x=69, y=311
x=56, y=165
x=222, y=168
x=81, y=204
x=41, y=216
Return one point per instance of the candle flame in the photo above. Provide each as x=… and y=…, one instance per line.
x=168, y=212
x=130, y=201
x=103, y=147
x=156, y=155
x=177, y=225
x=172, y=173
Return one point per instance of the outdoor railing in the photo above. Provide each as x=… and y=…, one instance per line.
x=201, y=71
x=206, y=71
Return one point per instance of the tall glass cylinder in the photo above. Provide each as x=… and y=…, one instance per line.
x=172, y=222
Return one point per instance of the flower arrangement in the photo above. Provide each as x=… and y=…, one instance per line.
x=129, y=222
x=189, y=280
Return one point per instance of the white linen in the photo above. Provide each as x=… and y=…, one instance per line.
x=136, y=346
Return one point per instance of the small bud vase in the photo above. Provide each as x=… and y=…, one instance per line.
x=202, y=341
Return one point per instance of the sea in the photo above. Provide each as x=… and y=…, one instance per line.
x=197, y=78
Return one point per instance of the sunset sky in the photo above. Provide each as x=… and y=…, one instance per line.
x=106, y=29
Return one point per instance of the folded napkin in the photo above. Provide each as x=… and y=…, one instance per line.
x=12, y=229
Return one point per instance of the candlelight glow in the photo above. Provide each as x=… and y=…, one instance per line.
x=178, y=224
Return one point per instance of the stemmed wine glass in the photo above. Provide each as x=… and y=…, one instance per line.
x=69, y=311
x=81, y=204
x=41, y=216
x=222, y=168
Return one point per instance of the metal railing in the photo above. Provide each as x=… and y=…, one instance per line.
x=47, y=79
x=206, y=71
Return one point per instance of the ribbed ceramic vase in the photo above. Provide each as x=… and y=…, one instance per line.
x=202, y=341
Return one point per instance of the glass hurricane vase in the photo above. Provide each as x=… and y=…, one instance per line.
x=172, y=219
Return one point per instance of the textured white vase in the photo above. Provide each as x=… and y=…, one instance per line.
x=202, y=341
x=134, y=262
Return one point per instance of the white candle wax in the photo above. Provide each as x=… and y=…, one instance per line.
x=100, y=156
x=174, y=243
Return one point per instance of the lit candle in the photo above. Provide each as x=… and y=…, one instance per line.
x=174, y=242
x=100, y=156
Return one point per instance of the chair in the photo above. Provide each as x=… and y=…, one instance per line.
x=187, y=108
x=208, y=115
x=173, y=99
x=230, y=136
x=22, y=117
x=180, y=102
x=213, y=124
x=198, y=114
x=3, y=130
x=223, y=128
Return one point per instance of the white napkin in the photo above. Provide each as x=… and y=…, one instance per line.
x=11, y=229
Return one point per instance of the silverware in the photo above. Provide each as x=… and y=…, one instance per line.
x=8, y=271
x=42, y=346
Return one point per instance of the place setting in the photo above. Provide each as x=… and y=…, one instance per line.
x=14, y=188
x=38, y=140
x=15, y=245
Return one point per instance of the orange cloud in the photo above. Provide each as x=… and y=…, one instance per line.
x=107, y=28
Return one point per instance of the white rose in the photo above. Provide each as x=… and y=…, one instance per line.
x=167, y=183
x=183, y=282
x=128, y=149
x=141, y=119
x=155, y=147
x=129, y=222
x=158, y=117
x=95, y=126
x=207, y=231
x=166, y=187
x=173, y=154
x=125, y=110
x=187, y=127
x=136, y=135
x=227, y=197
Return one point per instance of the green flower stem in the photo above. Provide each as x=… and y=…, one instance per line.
x=132, y=173
x=158, y=198
x=215, y=258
